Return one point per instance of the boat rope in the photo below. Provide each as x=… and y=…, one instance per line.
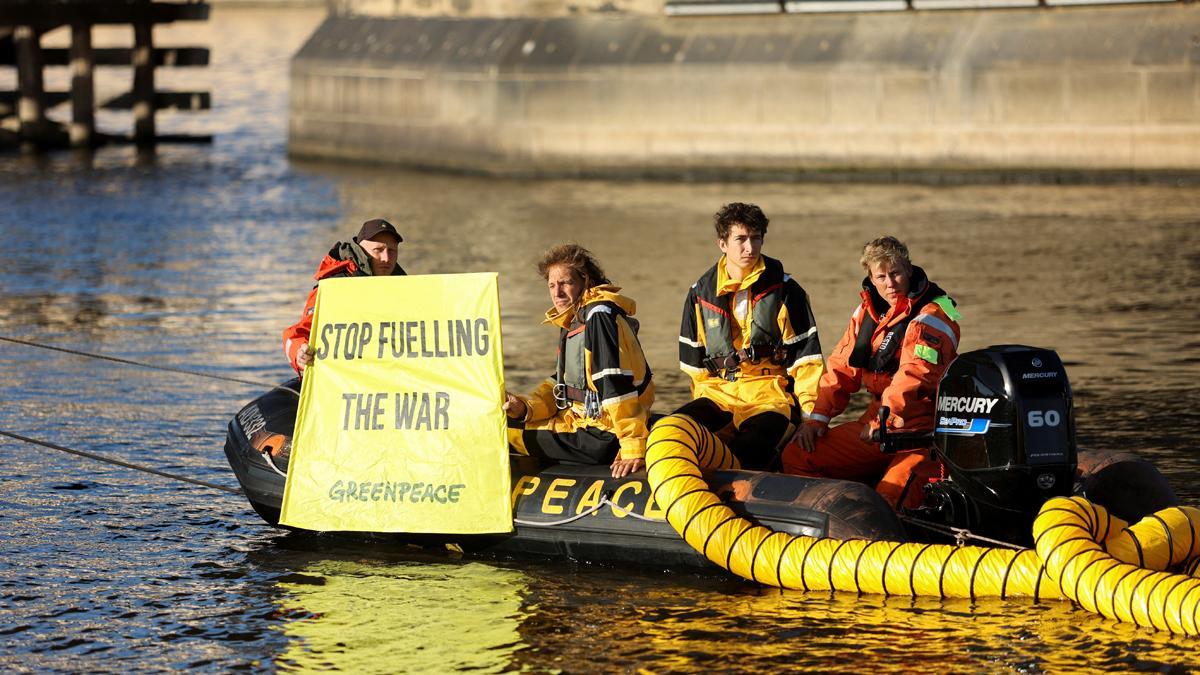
x=961, y=535
x=271, y=463
x=129, y=362
x=118, y=462
x=564, y=521
x=621, y=512
x=604, y=501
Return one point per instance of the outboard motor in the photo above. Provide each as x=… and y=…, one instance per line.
x=1006, y=434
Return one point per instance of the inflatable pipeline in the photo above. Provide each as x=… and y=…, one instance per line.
x=1082, y=552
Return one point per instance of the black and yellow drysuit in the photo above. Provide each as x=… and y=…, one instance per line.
x=752, y=351
x=597, y=405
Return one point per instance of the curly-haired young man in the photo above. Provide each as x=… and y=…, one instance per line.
x=749, y=342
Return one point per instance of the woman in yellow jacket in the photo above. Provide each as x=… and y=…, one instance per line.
x=596, y=407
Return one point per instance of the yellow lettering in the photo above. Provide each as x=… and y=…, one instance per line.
x=525, y=486
x=591, y=498
x=636, y=486
x=552, y=492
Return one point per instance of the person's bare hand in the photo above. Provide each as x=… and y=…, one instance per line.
x=807, y=435
x=514, y=407
x=624, y=467
x=303, y=357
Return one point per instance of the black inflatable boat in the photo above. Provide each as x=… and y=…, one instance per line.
x=1000, y=470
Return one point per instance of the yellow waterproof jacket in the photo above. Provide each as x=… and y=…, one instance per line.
x=615, y=370
x=761, y=385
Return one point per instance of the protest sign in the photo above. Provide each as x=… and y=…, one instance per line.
x=400, y=427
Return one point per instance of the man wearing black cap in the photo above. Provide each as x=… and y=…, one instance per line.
x=371, y=253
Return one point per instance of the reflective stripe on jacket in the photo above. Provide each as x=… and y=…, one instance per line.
x=345, y=259
x=766, y=307
x=928, y=345
x=606, y=358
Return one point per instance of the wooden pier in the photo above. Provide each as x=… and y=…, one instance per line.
x=23, y=113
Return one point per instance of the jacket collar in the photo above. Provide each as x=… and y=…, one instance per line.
x=349, y=258
x=727, y=284
x=918, y=284
x=595, y=294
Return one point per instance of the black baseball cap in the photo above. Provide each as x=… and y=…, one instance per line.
x=374, y=227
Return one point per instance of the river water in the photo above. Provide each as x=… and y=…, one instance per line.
x=200, y=257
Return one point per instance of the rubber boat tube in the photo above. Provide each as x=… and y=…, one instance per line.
x=679, y=449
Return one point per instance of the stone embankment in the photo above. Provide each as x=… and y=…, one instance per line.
x=1080, y=90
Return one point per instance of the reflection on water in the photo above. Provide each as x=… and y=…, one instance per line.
x=848, y=633
x=356, y=610
x=420, y=616
x=201, y=258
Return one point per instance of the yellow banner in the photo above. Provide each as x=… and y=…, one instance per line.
x=400, y=427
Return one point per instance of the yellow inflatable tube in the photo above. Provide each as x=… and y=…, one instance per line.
x=1067, y=533
x=679, y=450
x=1161, y=541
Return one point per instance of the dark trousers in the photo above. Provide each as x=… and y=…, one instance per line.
x=756, y=443
x=583, y=446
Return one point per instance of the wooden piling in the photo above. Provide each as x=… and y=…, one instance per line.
x=31, y=104
x=22, y=25
x=143, y=83
x=83, y=91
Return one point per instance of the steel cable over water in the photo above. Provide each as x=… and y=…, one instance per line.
x=679, y=450
x=119, y=462
x=151, y=366
x=141, y=364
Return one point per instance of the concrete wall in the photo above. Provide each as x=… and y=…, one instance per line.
x=492, y=8
x=1062, y=90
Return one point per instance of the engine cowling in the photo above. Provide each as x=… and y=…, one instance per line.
x=1006, y=434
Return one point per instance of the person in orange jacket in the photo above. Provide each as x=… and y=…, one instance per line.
x=372, y=252
x=596, y=408
x=899, y=342
x=748, y=340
